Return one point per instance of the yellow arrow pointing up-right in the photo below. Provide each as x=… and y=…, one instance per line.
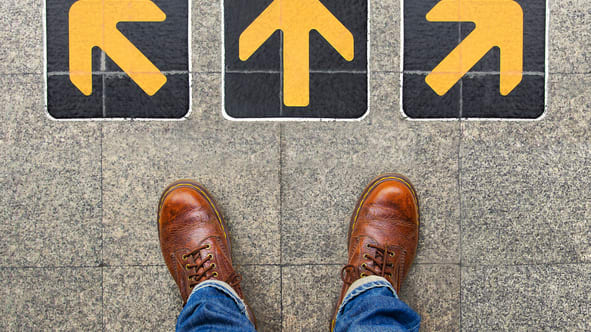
x=498, y=23
x=296, y=18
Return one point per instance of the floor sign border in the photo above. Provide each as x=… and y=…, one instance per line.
x=294, y=119
x=475, y=119
x=120, y=119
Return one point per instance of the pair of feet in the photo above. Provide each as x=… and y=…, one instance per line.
x=383, y=235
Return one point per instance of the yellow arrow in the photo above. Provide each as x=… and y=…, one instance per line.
x=296, y=18
x=498, y=23
x=94, y=23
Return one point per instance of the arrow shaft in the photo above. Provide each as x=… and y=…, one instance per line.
x=296, y=69
x=459, y=61
x=141, y=70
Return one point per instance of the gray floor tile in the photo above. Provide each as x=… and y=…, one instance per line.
x=327, y=165
x=385, y=36
x=433, y=291
x=570, y=37
x=22, y=114
x=21, y=36
x=526, y=298
x=207, y=36
x=147, y=298
x=525, y=185
x=237, y=161
x=59, y=299
x=140, y=298
x=51, y=199
x=262, y=289
x=310, y=294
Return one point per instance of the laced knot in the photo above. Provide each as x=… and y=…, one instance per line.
x=382, y=263
x=201, y=273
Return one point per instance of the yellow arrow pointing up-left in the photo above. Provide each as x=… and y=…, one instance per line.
x=94, y=23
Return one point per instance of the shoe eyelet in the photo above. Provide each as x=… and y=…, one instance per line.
x=362, y=275
x=213, y=266
x=210, y=256
x=367, y=245
x=389, y=275
x=187, y=266
x=208, y=246
x=364, y=266
x=365, y=256
x=392, y=254
x=215, y=274
x=185, y=257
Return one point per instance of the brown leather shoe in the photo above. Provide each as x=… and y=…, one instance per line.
x=383, y=233
x=194, y=238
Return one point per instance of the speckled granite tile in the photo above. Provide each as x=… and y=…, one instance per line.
x=262, y=289
x=51, y=200
x=525, y=185
x=526, y=298
x=310, y=293
x=237, y=162
x=43, y=299
x=570, y=37
x=21, y=36
x=148, y=297
x=433, y=291
x=327, y=165
x=22, y=114
x=140, y=297
x=385, y=36
x=206, y=33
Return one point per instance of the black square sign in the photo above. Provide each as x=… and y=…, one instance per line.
x=474, y=59
x=295, y=59
x=117, y=59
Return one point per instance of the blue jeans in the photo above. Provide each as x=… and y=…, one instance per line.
x=371, y=304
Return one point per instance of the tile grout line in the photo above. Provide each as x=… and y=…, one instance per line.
x=102, y=264
x=281, y=183
x=504, y=265
x=281, y=222
x=103, y=75
x=461, y=134
x=103, y=67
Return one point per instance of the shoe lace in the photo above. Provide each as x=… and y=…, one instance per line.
x=384, y=264
x=200, y=272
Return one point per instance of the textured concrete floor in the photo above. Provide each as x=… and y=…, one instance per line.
x=506, y=206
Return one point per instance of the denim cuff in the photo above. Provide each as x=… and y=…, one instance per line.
x=226, y=289
x=362, y=285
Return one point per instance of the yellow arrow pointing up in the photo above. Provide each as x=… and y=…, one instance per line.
x=498, y=23
x=296, y=18
x=94, y=23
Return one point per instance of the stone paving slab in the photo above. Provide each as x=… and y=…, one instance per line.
x=569, y=42
x=50, y=182
x=311, y=291
x=140, y=297
x=237, y=162
x=43, y=299
x=146, y=297
x=325, y=167
x=526, y=297
x=21, y=36
x=525, y=185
